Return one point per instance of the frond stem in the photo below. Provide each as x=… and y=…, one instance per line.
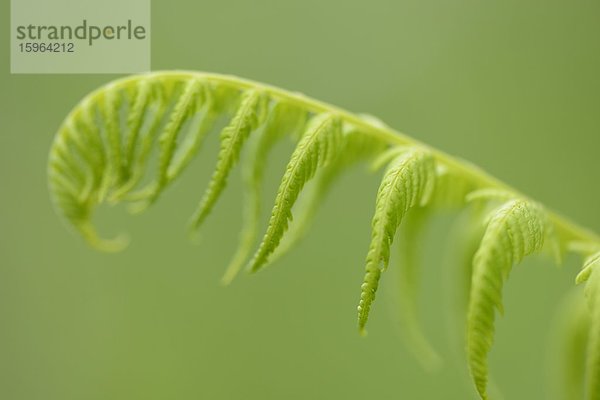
x=569, y=230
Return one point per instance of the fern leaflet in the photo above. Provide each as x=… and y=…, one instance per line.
x=409, y=181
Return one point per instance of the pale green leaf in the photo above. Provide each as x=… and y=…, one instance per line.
x=233, y=136
x=104, y=150
x=317, y=147
x=355, y=148
x=408, y=182
x=515, y=230
x=283, y=120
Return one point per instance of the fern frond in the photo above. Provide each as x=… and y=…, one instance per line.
x=408, y=181
x=283, y=119
x=515, y=230
x=317, y=148
x=183, y=109
x=102, y=153
x=144, y=123
x=355, y=148
x=247, y=118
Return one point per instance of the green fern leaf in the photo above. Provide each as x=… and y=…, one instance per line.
x=316, y=148
x=205, y=119
x=182, y=111
x=283, y=119
x=408, y=181
x=233, y=136
x=110, y=113
x=450, y=192
x=515, y=230
x=355, y=148
x=147, y=115
x=103, y=149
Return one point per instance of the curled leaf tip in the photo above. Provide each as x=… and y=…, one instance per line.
x=115, y=245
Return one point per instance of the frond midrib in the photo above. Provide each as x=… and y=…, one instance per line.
x=570, y=230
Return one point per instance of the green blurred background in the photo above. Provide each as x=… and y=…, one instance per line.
x=513, y=86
